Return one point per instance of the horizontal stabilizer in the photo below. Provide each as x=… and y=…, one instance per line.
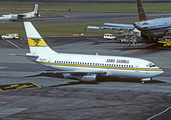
x=25, y=55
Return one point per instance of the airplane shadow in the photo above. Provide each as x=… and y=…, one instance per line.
x=74, y=83
x=130, y=80
x=99, y=80
x=101, y=42
x=47, y=75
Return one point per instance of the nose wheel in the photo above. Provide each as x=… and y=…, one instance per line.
x=145, y=79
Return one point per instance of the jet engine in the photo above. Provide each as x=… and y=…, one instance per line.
x=84, y=78
x=20, y=17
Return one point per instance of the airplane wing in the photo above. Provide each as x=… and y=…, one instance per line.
x=84, y=76
x=75, y=72
x=113, y=26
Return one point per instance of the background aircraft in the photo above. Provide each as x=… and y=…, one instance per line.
x=86, y=67
x=154, y=28
x=19, y=17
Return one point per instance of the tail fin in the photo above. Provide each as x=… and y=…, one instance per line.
x=141, y=13
x=36, y=10
x=36, y=43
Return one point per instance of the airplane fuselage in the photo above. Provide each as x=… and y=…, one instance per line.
x=155, y=28
x=112, y=65
x=86, y=67
x=14, y=17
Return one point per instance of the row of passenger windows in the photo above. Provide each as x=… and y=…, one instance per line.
x=94, y=64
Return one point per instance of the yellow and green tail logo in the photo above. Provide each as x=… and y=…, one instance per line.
x=38, y=42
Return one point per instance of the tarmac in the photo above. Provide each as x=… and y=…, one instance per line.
x=84, y=1
x=74, y=17
x=56, y=98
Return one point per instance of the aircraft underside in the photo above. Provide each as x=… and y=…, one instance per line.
x=154, y=33
x=118, y=72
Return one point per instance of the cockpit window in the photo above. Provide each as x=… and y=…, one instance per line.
x=145, y=23
x=152, y=65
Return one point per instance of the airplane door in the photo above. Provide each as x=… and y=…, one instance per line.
x=49, y=60
x=137, y=66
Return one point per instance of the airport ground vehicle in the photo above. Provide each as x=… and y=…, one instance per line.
x=166, y=42
x=10, y=36
x=121, y=38
x=109, y=37
x=128, y=39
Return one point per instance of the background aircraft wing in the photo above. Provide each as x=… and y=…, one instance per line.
x=103, y=27
x=113, y=26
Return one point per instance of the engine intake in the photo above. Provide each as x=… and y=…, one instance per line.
x=84, y=78
x=89, y=78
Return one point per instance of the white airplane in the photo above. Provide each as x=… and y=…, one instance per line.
x=19, y=17
x=86, y=68
x=154, y=28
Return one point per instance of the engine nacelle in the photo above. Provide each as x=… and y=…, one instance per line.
x=84, y=78
x=89, y=78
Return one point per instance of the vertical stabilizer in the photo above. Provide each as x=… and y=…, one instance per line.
x=36, y=43
x=36, y=10
x=141, y=13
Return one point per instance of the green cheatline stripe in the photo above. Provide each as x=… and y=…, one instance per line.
x=120, y=68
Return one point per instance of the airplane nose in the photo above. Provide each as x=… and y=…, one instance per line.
x=160, y=72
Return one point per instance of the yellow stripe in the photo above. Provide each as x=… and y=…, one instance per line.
x=36, y=42
x=36, y=85
x=19, y=86
x=107, y=67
